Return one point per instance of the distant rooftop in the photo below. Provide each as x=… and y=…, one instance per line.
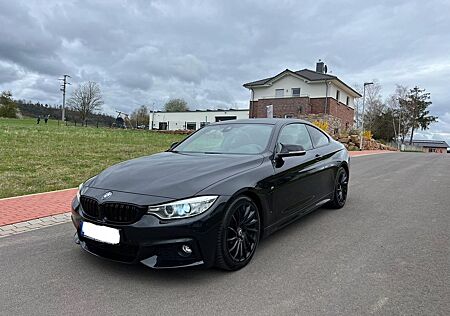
x=430, y=143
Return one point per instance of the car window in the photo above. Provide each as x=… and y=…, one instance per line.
x=228, y=139
x=294, y=134
x=318, y=138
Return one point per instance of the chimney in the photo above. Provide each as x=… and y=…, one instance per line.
x=320, y=66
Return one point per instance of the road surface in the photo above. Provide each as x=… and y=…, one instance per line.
x=386, y=253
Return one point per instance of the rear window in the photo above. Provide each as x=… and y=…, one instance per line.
x=318, y=138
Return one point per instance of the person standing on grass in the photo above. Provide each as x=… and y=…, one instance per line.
x=38, y=119
x=46, y=119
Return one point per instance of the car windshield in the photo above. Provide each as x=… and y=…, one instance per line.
x=228, y=139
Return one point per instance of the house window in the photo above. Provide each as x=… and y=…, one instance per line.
x=191, y=126
x=279, y=93
x=289, y=115
x=347, y=102
x=295, y=92
x=338, y=93
x=162, y=126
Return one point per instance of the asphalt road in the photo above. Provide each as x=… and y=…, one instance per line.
x=387, y=252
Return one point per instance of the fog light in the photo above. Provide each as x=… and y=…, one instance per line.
x=186, y=249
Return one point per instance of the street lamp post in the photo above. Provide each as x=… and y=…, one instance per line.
x=362, y=118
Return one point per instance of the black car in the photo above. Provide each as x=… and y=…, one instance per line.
x=209, y=199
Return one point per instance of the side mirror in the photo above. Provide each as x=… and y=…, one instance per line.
x=292, y=154
x=288, y=151
x=291, y=150
x=173, y=145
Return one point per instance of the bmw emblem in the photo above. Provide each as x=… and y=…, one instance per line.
x=107, y=195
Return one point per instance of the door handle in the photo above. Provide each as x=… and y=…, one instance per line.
x=317, y=156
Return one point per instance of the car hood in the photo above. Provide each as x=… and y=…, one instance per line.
x=172, y=175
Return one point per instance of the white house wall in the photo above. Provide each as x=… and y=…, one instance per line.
x=342, y=95
x=287, y=83
x=311, y=89
x=178, y=120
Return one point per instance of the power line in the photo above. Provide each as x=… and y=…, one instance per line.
x=63, y=89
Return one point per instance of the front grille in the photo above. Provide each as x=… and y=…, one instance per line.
x=111, y=211
x=90, y=207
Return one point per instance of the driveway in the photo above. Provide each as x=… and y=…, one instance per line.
x=387, y=253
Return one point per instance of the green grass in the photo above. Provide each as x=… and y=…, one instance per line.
x=39, y=158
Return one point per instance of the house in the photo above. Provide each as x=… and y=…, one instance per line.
x=432, y=146
x=306, y=94
x=193, y=120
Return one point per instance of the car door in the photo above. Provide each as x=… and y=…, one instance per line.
x=294, y=183
x=322, y=153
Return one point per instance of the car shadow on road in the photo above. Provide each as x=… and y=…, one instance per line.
x=268, y=249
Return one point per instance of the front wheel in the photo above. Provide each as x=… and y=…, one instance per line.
x=238, y=235
x=340, y=189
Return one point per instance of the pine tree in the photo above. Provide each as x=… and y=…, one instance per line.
x=417, y=104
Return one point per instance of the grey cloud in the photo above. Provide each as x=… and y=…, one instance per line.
x=9, y=72
x=144, y=52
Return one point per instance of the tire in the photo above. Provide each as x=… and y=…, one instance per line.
x=340, y=189
x=238, y=235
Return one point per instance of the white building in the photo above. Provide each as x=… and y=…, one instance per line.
x=193, y=120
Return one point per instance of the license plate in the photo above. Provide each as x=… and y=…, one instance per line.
x=104, y=234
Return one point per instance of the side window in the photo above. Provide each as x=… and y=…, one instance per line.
x=279, y=93
x=318, y=138
x=294, y=134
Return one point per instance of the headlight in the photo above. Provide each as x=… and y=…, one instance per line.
x=78, y=192
x=183, y=208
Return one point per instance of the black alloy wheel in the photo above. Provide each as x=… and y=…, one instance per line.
x=238, y=235
x=340, y=189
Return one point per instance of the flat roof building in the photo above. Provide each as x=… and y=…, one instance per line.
x=193, y=120
x=431, y=146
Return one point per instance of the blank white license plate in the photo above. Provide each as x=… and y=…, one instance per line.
x=104, y=234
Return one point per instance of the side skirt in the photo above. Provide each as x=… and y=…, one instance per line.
x=293, y=217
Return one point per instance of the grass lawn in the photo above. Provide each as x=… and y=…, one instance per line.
x=39, y=158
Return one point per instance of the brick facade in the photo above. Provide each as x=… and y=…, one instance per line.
x=300, y=107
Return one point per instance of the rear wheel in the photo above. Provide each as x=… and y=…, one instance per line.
x=238, y=235
x=340, y=189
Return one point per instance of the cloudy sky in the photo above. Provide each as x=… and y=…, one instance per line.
x=145, y=52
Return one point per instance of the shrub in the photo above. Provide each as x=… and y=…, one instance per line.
x=368, y=134
x=8, y=108
x=323, y=125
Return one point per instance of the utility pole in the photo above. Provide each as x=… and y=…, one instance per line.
x=63, y=89
x=363, y=109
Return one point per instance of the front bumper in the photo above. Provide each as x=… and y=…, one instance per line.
x=158, y=243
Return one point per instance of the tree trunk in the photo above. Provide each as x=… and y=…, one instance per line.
x=412, y=135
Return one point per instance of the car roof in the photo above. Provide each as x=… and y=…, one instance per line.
x=271, y=121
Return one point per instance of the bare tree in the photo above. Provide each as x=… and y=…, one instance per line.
x=86, y=99
x=374, y=106
x=140, y=116
x=400, y=113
